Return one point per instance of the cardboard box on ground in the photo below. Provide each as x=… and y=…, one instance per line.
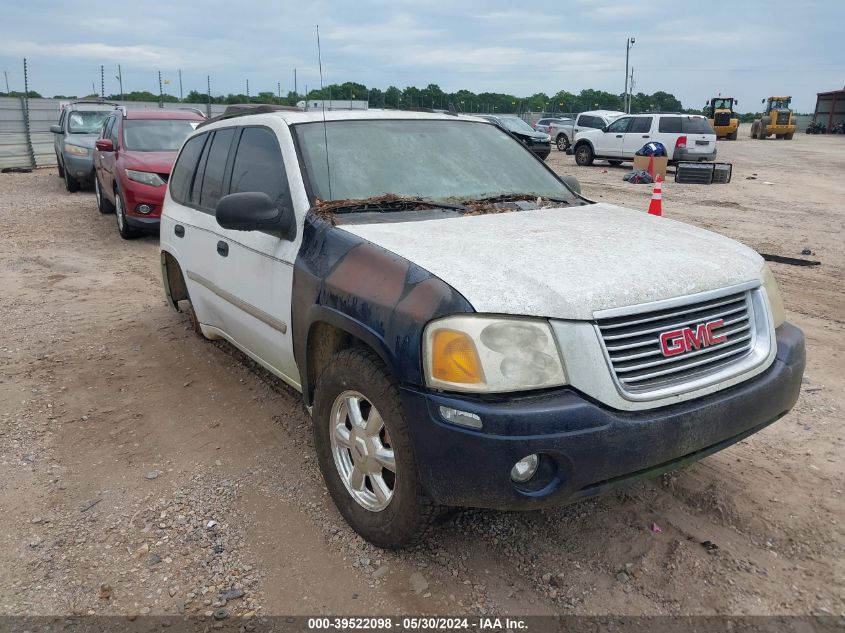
x=660, y=164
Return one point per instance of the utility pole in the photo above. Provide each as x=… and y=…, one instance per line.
x=295, y=93
x=120, y=80
x=6, y=75
x=628, y=44
x=631, y=89
x=180, y=84
x=160, y=92
x=247, y=89
x=102, y=83
x=280, y=89
x=208, y=96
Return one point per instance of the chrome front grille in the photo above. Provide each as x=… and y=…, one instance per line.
x=633, y=342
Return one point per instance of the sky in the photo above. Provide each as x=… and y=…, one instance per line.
x=694, y=50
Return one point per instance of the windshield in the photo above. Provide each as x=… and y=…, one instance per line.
x=156, y=135
x=430, y=159
x=86, y=121
x=780, y=104
x=723, y=104
x=515, y=124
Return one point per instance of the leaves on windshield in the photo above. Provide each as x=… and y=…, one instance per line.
x=504, y=203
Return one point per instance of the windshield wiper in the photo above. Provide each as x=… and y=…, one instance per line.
x=384, y=204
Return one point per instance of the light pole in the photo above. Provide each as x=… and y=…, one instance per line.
x=628, y=44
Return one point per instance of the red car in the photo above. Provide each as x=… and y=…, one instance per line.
x=132, y=162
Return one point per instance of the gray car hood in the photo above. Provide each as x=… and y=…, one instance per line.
x=83, y=140
x=567, y=263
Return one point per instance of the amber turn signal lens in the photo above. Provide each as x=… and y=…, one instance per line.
x=454, y=358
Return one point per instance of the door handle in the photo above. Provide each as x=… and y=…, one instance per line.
x=222, y=248
x=179, y=230
x=645, y=135
x=618, y=136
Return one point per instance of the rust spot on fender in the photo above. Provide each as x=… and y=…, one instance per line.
x=370, y=274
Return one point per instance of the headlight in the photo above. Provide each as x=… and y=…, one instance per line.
x=491, y=354
x=773, y=292
x=145, y=177
x=76, y=150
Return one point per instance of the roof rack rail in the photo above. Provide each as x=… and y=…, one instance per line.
x=195, y=110
x=245, y=109
x=431, y=111
x=92, y=102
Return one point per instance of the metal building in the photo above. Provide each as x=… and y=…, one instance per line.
x=830, y=108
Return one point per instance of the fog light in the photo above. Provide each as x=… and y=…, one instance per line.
x=144, y=208
x=525, y=468
x=463, y=418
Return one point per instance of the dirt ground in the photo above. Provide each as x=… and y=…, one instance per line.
x=144, y=470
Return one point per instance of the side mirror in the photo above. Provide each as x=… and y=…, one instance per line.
x=572, y=183
x=104, y=144
x=56, y=129
x=255, y=211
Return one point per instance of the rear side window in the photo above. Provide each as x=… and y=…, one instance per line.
x=697, y=125
x=685, y=125
x=215, y=168
x=259, y=166
x=641, y=124
x=186, y=166
x=586, y=121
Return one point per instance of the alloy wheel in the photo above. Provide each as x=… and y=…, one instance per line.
x=362, y=451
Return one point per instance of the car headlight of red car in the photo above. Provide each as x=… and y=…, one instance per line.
x=145, y=177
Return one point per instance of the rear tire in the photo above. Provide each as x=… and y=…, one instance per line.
x=732, y=136
x=356, y=384
x=103, y=205
x=562, y=142
x=60, y=168
x=789, y=136
x=123, y=228
x=584, y=156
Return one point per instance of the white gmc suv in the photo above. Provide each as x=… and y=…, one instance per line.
x=466, y=330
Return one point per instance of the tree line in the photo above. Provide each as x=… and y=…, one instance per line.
x=432, y=96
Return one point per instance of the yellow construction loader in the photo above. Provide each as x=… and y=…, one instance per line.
x=777, y=119
x=720, y=113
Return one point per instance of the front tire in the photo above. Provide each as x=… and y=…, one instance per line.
x=71, y=183
x=584, y=156
x=126, y=231
x=60, y=168
x=732, y=136
x=365, y=451
x=615, y=163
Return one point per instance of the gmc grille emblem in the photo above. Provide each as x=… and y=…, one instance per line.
x=688, y=339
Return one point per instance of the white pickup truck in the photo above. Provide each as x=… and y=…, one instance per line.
x=563, y=134
x=466, y=330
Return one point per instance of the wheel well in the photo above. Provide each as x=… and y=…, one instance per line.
x=324, y=341
x=581, y=143
x=563, y=134
x=176, y=288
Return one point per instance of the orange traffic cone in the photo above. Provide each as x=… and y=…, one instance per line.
x=655, y=207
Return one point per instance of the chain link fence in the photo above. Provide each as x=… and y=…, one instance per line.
x=26, y=141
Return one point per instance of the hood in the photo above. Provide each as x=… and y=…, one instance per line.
x=536, y=135
x=82, y=140
x=158, y=162
x=567, y=263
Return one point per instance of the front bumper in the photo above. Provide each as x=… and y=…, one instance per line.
x=80, y=167
x=586, y=448
x=135, y=194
